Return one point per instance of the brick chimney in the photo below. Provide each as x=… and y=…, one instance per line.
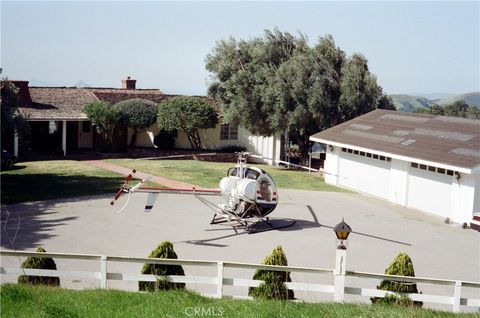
x=128, y=83
x=24, y=98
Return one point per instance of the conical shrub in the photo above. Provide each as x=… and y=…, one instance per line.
x=401, y=265
x=273, y=286
x=39, y=263
x=164, y=250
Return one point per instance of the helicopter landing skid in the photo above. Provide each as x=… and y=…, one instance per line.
x=250, y=226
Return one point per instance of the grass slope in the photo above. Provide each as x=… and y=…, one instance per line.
x=208, y=174
x=409, y=103
x=34, y=301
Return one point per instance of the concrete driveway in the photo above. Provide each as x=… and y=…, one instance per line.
x=381, y=231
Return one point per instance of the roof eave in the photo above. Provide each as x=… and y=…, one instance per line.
x=398, y=157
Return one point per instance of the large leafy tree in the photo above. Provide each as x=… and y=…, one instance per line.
x=137, y=114
x=189, y=114
x=105, y=118
x=11, y=118
x=279, y=84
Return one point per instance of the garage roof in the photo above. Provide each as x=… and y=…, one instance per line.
x=445, y=141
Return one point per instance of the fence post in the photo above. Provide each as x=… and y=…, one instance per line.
x=339, y=275
x=457, y=292
x=219, y=280
x=103, y=271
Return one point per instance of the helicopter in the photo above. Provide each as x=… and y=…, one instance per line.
x=250, y=196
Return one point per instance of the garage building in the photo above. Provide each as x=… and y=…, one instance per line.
x=426, y=162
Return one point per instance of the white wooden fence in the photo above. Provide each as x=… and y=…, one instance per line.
x=338, y=289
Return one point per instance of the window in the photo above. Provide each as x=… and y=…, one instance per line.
x=450, y=172
x=414, y=165
x=432, y=169
x=423, y=167
x=86, y=126
x=441, y=170
x=228, y=132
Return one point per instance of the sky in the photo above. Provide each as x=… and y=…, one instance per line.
x=412, y=47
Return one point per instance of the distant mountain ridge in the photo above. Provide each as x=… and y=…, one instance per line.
x=409, y=103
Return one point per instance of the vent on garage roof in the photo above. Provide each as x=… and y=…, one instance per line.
x=372, y=136
x=360, y=126
x=452, y=135
x=408, y=142
x=405, y=118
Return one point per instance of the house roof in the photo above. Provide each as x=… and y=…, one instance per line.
x=114, y=96
x=67, y=103
x=57, y=103
x=449, y=142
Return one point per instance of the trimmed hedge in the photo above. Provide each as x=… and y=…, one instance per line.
x=39, y=263
x=273, y=286
x=164, y=250
x=401, y=265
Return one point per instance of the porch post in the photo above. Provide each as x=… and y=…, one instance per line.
x=15, y=143
x=64, y=137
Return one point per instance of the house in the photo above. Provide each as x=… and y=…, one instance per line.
x=58, y=124
x=425, y=162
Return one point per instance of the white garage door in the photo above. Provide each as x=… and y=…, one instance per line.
x=429, y=191
x=365, y=174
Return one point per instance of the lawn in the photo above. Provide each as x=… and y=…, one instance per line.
x=55, y=179
x=29, y=301
x=43, y=180
x=208, y=174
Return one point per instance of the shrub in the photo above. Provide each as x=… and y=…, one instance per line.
x=39, y=263
x=164, y=250
x=231, y=149
x=401, y=265
x=273, y=286
x=137, y=114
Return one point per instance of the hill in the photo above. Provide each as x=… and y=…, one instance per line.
x=409, y=103
x=472, y=99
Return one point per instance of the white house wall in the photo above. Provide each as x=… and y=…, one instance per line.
x=267, y=147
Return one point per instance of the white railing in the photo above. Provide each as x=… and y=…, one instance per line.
x=338, y=289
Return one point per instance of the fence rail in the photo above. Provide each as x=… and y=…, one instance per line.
x=338, y=290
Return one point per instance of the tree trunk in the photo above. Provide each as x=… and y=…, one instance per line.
x=194, y=139
x=134, y=137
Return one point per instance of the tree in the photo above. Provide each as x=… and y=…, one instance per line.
x=11, y=118
x=164, y=250
x=273, y=286
x=105, y=118
x=39, y=263
x=456, y=109
x=137, y=114
x=279, y=84
x=401, y=265
x=188, y=113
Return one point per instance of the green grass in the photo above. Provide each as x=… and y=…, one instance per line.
x=30, y=301
x=208, y=174
x=44, y=180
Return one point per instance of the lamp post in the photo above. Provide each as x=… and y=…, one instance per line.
x=342, y=231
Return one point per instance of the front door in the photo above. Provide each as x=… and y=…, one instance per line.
x=85, y=134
